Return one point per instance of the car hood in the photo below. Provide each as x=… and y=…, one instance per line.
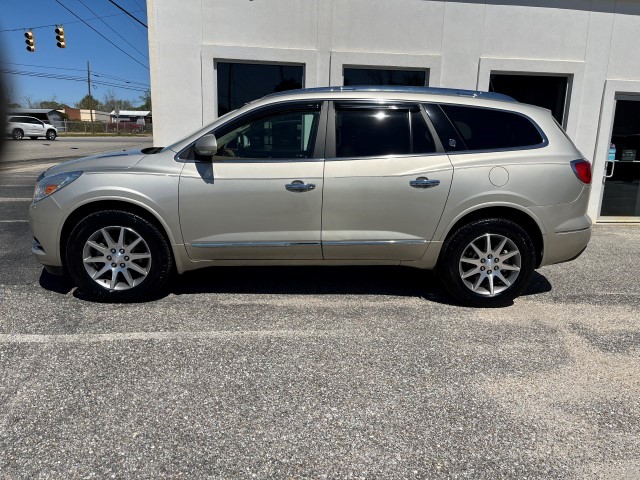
x=101, y=162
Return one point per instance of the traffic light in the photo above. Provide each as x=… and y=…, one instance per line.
x=60, y=37
x=31, y=46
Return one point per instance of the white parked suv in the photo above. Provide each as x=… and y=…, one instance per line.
x=476, y=186
x=22, y=126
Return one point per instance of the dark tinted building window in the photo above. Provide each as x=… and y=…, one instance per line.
x=542, y=90
x=369, y=76
x=488, y=129
x=372, y=132
x=240, y=83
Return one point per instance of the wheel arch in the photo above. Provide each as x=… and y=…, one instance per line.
x=525, y=220
x=86, y=209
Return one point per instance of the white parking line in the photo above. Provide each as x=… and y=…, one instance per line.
x=16, y=199
x=138, y=336
x=14, y=221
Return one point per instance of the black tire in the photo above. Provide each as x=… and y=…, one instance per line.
x=451, y=267
x=155, y=246
x=17, y=134
x=51, y=135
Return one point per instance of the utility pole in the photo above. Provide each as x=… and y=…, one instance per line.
x=90, y=97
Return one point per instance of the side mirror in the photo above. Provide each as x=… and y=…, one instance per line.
x=207, y=145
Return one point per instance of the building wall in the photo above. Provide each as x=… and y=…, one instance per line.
x=461, y=43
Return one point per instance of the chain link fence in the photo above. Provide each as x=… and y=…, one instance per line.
x=122, y=128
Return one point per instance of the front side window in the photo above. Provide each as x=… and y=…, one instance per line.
x=375, y=132
x=490, y=129
x=286, y=134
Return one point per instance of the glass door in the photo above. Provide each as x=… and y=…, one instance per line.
x=621, y=192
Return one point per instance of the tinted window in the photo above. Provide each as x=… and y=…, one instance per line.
x=369, y=76
x=372, y=132
x=240, y=83
x=14, y=119
x=545, y=91
x=421, y=136
x=287, y=134
x=488, y=129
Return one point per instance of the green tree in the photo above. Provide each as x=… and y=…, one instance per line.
x=52, y=104
x=89, y=102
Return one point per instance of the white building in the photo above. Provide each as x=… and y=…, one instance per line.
x=578, y=58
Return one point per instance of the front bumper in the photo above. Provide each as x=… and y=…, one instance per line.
x=45, y=224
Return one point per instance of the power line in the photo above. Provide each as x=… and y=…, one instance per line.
x=96, y=74
x=66, y=23
x=88, y=25
x=114, y=31
x=54, y=76
x=135, y=18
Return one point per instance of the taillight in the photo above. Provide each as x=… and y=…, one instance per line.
x=582, y=169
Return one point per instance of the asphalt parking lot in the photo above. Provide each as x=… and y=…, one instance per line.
x=317, y=372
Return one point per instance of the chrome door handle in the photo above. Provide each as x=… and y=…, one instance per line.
x=424, y=182
x=613, y=167
x=299, y=186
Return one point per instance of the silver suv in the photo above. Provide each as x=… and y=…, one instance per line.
x=21, y=126
x=475, y=185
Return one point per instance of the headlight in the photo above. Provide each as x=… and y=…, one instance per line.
x=47, y=185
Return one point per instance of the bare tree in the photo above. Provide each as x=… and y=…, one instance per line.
x=28, y=101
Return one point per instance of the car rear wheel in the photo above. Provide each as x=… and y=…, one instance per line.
x=17, y=134
x=118, y=256
x=487, y=263
x=51, y=135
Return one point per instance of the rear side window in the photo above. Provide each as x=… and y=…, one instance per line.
x=375, y=132
x=489, y=129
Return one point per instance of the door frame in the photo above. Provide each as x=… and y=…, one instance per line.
x=614, y=90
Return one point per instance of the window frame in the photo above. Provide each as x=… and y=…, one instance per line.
x=408, y=105
x=440, y=111
x=264, y=111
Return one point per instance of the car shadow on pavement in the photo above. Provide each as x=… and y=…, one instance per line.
x=55, y=283
x=393, y=281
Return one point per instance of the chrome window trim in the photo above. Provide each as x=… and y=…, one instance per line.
x=384, y=157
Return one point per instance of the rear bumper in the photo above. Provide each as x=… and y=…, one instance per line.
x=564, y=246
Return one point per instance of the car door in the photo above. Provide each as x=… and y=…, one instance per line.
x=386, y=183
x=37, y=127
x=25, y=125
x=260, y=197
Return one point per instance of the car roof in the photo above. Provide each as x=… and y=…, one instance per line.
x=385, y=89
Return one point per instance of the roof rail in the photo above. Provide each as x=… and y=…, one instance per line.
x=402, y=89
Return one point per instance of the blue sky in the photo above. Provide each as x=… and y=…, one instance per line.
x=82, y=44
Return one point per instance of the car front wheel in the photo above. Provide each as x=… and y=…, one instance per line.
x=118, y=256
x=51, y=135
x=487, y=263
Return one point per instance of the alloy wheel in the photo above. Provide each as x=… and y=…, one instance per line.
x=490, y=264
x=116, y=258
